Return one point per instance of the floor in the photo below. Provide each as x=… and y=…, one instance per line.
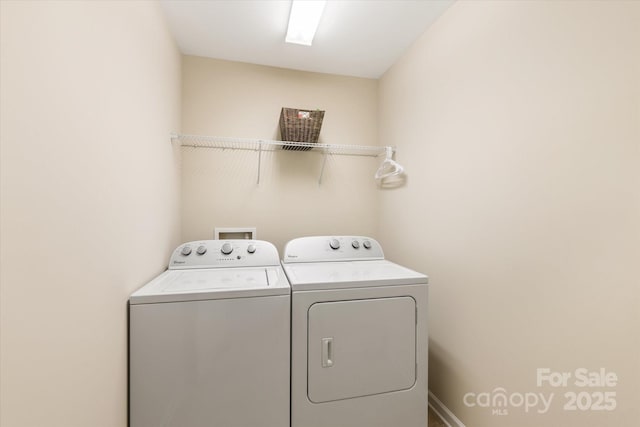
x=434, y=420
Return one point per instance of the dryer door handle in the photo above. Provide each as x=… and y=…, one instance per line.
x=327, y=352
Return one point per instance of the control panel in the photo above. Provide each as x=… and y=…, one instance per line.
x=332, y=248
x=224, y=253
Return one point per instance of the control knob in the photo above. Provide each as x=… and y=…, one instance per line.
x=334, y=244
x=202, y=249
x=186, y=250
x=251, y=248
x=226, y=248
x=366, y=244
x=355, y=244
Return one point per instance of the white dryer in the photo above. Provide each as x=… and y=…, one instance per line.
x=209, y=339
x=359, y=335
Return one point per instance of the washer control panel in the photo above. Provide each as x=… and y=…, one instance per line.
x=224, y=253
x=332, y=248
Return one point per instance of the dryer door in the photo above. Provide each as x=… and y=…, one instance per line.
x=361, y=347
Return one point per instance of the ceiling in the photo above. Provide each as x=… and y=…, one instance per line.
x=361, y=38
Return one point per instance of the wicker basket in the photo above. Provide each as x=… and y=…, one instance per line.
x=300, y=126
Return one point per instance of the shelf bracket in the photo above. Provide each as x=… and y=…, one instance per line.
x=324, y=162
x=259, y=161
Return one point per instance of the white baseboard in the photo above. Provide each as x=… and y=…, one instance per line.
x=443, y=412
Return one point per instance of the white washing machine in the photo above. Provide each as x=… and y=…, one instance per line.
x=209, y=339
x=359, y=335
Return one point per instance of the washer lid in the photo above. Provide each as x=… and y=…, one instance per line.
x=354, y=274
x=214, y=283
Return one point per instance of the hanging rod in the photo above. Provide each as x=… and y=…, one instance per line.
x=201, y=141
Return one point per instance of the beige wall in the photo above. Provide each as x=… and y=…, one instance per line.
x=519, y=125
x=89, y=200
x=240, y=100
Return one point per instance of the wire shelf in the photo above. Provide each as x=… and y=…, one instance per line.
x=226, y=143
x=261, y=145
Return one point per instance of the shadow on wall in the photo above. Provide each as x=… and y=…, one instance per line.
x=393, y=182
x=444, y=370
x=304, y=166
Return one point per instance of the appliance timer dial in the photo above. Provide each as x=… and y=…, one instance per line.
x=226, y=248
